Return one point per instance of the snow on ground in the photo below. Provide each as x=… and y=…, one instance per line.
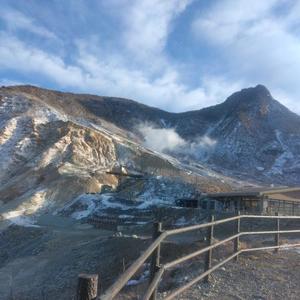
x=144, y=276
x=155, y=192
x=295, y=249
x=17, y=217
x=13, y=131
x=19, y=118
x=126, y=216
x=86, y=204
x=181, y=221
x=283, y=158
x=86, y=212
x=24, y=214
x=54, y=154
x=260, y=168
x=280, y=162
x=161, y=190
x=153, y=202
x=45, y=115
x=107, y=203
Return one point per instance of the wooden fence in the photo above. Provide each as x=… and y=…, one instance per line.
x=157, y=269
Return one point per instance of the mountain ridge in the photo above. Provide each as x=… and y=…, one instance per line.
x=253, y=132
x=128, y=111
x=258, y=89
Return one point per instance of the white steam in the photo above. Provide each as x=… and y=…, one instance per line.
x=161, y=139
x=204, y=142
x=168, y=140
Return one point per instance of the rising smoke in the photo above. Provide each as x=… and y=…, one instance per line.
x=167, y=140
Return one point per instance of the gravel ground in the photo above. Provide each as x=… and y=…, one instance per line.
x=43, y=263
x=263, y=275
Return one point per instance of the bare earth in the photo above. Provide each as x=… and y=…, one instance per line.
x=262, y=275
x=42, y=263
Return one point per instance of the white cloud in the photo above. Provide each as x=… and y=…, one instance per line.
x=16, y=20
x=141, y=71
x=256, y=43
x=16, y=55
x=229, y=19
x=255, y=48
x=148, y=23
x=111, y=75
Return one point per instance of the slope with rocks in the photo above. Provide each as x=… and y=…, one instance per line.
x=254, y=135
x=258, y=136
x=54, y=151
x=57, y=146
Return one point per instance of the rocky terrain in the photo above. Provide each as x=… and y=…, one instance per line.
x=250, y=134
x=56, y=150
x=83, y=176
x=256, y=276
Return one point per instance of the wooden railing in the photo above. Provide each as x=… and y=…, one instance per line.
x=157, y=269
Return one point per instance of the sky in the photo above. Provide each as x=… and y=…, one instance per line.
x=177, y=55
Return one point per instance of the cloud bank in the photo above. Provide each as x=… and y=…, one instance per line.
x=177, y=55
x=259, y=41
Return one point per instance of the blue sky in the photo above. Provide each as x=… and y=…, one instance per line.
x=174, y=54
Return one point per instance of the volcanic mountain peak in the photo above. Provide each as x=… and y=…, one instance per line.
x=257, y=91
x=252, y=98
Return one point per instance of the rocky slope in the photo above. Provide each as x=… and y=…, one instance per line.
x=253, y=135
x=56, y=147
x=55, y=150
x=258, y=136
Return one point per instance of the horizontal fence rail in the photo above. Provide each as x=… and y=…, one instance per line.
x=159, y=236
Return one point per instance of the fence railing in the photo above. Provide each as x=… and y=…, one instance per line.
x=157, y=269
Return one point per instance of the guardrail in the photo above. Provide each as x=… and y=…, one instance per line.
x=157, y=269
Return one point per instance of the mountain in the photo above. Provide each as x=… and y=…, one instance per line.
x=58, y=146
x=255, y=134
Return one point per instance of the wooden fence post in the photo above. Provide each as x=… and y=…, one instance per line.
x=208, y=258
x=87, y=287
x=237, y=239
x=277, y=234
x=155, y=258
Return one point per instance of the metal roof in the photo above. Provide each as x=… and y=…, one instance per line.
x=256, y=192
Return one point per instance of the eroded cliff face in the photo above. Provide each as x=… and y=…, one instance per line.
x=50, y=156
x=46, y=160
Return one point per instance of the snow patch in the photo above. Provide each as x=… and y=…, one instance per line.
x=142, y=278
x=181, y=221
x=17, y=217
x=23, y=215
x=260, y=168
x=282, y=159
x=91, y=204
x=85, y=213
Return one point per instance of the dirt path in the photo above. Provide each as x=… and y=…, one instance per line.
x=44, y=262
x=261, y=276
